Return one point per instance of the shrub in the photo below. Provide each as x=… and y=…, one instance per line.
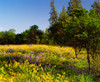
x=95, y=65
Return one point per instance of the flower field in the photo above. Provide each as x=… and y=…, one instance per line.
x=42, y=63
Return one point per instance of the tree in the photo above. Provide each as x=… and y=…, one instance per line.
x=62, y=24
x=53, y=34
x=25, y=36
x=96, y=6
x=73, y=28
x=53, y=14
x=56, y=30
x=71, y=31
x=8, y=37
x=92, y=33
x=1, y=37
x=45, y=38
x=63, y=17
x=30, y=36
x=19, y=39
x=35, y=35
x=74, y=4
x=40, y=35
x=83, y=32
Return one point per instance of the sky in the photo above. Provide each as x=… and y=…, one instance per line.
x=21, y=14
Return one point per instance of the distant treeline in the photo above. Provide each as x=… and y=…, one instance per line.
x=30, y=36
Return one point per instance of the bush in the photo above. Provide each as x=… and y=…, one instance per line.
x=95, y=65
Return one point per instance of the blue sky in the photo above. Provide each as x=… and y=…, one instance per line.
x=21, y=14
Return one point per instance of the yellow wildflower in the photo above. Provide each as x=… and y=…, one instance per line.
x=66, y=81
x=55, y=80
x=32, y=65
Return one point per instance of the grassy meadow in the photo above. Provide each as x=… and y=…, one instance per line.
x=43, y=63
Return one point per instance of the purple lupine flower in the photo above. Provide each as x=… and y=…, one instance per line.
x=12, y=58
x=38, y=58
x=54, y=70
x=68, y=66
x=23, y=58
x=20, y=61
x=73, y=67
x=10, y=50
x=85, y=73
x=30, y=56
x=16, y=57
x=49, y=65
x=31, y=52
x=45, y=67
x=85, y=70
x=31, y=61
x=79, y=71
x=30, y=45
x=8, y=61
x=3, y=52
x=27, y=57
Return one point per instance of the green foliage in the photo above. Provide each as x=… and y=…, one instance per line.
x=82, y=78
x=74, y=4
x=31, y=36
x=19, y=39
x=1, y=37
x=8, y=37
x=63, y=20
x=95, y=65
x=2, y=70
x=35, y=35
x=78, y=28
x=96, y=6
x=53, y=14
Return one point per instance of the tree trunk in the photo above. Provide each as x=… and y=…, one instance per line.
x=76, y=53
x=93, y=56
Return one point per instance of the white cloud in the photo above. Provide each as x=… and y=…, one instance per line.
x=1, y=28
